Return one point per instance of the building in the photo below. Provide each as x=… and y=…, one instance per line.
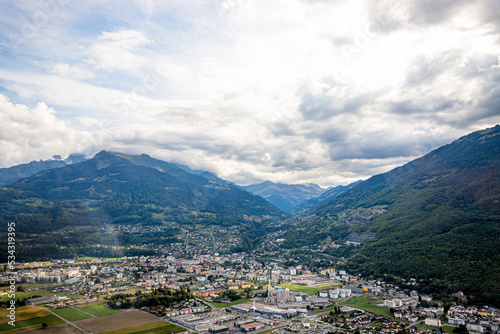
x=218, y=329
x=475, y=328
x=456, y=321
x=393, y=303
x=253, y=326
x=38, y=301
x=433, y=322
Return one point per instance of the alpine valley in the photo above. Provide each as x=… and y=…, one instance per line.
x=433, y=223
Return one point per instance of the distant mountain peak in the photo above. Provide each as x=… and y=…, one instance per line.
x=285, y=196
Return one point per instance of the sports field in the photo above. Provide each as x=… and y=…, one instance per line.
x=159, y=327
x=236, y=302
x=300, y=288
x=71, y=314
x=99, y=310
x=27, y=318
x=366, y=304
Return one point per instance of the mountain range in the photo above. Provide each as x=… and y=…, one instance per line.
x=15, y=173
x=285, y=196
x=435, y=220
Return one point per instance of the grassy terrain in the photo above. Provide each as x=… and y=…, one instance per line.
x=367, y=304
x=159, y=327
x=422, y=326
x=27, y=318
x=327, y=285
x=71, y=314
x=300, y=288
x=448, y=329
x=22, y=295
x=236, y=302
x=99, y=310
x=326, y=309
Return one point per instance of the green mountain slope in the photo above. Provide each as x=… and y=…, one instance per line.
x=119, y=189
x=436, y=218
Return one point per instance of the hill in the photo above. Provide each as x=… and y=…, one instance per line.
x=76, y=202
x=435, y=219
x=285, y=196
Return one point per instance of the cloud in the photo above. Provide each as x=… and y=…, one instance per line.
x=288, y=90
x=66, y=70
x=115, y=50
x=36, y=133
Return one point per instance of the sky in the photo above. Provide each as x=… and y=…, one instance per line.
x=292, y=91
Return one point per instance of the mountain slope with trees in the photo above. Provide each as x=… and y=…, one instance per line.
x=119, y=189
x=435, y=219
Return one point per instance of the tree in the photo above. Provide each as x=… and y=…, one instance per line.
x=44, y=325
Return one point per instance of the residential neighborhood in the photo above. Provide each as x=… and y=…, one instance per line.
x=241, y=292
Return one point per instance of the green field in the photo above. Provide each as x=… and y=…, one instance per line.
x=236, y=302
x=448, y=329
x=21, y=295
x=327, y=285
x=71, y=314
x=159, y=327
x=367, y=304
x=98, y=310
x=422, y=326
x=27, y=318
x=299, y=288
x=326, y=309
x=34, y=323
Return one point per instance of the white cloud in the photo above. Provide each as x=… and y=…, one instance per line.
x=287, y=90
x=118, y=50
x=36, y=133
x=66, y=70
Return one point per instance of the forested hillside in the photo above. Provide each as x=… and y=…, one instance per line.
x=436, y=219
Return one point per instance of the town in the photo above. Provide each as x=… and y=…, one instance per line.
x=239, y=292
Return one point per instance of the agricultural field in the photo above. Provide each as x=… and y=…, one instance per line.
x=236, y=302
x=300, y=288
x=159, y=327
x=367, y=304
x=71, y=314
x=116, y=321
x=27, y=318
x=99, y=310
x=61, y=329
x=21, y=295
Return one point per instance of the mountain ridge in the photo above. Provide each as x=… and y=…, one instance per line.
x=435, y=219
x=15, y=173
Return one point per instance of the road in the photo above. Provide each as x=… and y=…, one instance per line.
x=69, y=322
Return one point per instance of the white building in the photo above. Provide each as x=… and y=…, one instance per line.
x=433, y=322
x=475, y=328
